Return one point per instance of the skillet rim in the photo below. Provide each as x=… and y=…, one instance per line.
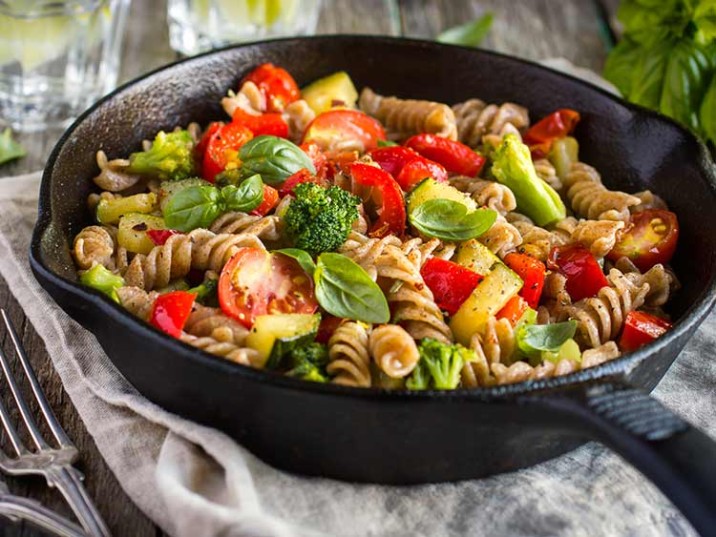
x=615, y=369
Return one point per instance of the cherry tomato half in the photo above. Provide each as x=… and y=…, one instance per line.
x=336, y=129
x=641, y=328
x=649, y=239
x=256, y=282
x=269, y=202
x=407, y=167
x=222, y=148
x=277, y=85
x=269, y=124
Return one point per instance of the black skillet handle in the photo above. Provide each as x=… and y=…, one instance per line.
x=674, y=455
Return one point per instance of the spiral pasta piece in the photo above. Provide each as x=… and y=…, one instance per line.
x=249, y=98
x=225, y=349
x=599, y=236
x=502, y=238
x=421, y=250
x=649, y=200
x=266, y=228
x=599, y=355
x=476, y=119
x=600, y=318
x=404, y=117
x=547, y=172
x=113, y=175
x=591, y=199
x=393, y=350
x=490, y=194
x=298, y=115
x=93, y=245
x=536, y=241
x=137, y=301
x=199, y=249
x=212, y=322
x=348, y=355
x=661, y=281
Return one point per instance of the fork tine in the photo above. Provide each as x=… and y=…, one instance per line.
x=10, y=429
x=19, y=400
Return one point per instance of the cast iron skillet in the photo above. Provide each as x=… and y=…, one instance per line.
x=402, y=437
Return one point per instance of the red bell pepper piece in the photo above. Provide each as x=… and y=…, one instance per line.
x=406, y=166
x=220, y=145
x=532, y=271
x=160, y=236
x=269, y=202
x=391, y=214
x=171, y=311
x=641, y=328
x=455, y=157
x=556, y=125
x=450, y=283
x=271, y=124
x=513, y=310
x=584, y=275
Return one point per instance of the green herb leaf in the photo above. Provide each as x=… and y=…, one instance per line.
x=470, y=34
x=650, y=21
x=707, y=112
x=273, y=158
x=303, y=258
x=9, y=148
x=705, y=20
x=685, y=83
x=344, y=289
x=533, y=339
x=648, y=75
x=246, y=197
x=450, y=220
x=621, y=64
x=192, y=208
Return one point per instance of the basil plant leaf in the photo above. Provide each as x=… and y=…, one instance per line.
x=470, y=34
x=648, y=74
x=535, y=338
x=245, y=197
x=620, y=66
x=344, y=289
x=275, y=159
x=450, y=220
x=301, y=256
x=192, y=208
x=9, y=148
x=707, y=113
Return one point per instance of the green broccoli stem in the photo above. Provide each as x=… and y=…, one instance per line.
x=102, y=279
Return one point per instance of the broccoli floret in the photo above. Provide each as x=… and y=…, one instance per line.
x=439, y=366
x=102, y=279
x=170, y=157
x=206, y=293
x=308, y=362
x=319, y=219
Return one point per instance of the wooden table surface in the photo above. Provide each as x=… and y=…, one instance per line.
x=532, y=29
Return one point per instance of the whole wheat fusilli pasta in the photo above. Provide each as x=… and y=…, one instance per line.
x=348, y=355
x=591, y=199
x=490, y=194
x=393, y=350
x=476, y=119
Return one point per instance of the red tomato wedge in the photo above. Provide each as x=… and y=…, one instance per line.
x=650, y=238
x=271, y=124
x=222, y=148
x=532, y=271
x=276, y=84
x=391, y=212
x=584, y=275
x=455, y=157
x=161, y=236
x=269, y=202
x=336, y=129
x=556, y=125
x=256, y=282
x=406, y=166
x=171, y=311
x=641, y=328
x=450, y=283
x=513, y=310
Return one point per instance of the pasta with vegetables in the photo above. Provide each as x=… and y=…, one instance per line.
x=380, y=241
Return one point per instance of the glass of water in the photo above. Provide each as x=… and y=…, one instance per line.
x=57, y=58
x=200, y=25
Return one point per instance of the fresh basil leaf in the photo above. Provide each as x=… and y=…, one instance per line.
x=273, y=158
x=9, y=148
x=620, y=65
x=301, y=256
x=192, y=208
x=685, y=83
x=650, y=21
x=344, y=289
x=470, y=34
x=246, y=197
x=450, y=221
x=387, y=143
x=533, y=339
x=705, y=20
x=648, y=76
x=707, y=112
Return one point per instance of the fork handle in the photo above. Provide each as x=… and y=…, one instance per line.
x=68, y=481
x=16, y=508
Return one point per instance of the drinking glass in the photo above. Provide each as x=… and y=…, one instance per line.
x=57, y=58
x=200, y=25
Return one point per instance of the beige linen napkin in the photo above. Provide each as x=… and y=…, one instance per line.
x=195, y=481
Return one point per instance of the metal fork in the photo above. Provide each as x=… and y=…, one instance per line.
x=54, y=463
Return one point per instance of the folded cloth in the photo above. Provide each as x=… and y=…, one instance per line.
x=195, y=481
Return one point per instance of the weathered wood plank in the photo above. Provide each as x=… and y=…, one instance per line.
x=532, y=29
x=364, y=17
